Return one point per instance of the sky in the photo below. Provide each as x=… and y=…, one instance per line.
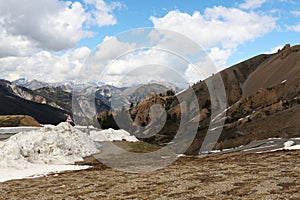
x=50, y=40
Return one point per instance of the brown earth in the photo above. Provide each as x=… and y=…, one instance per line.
x=272, y=175
x=270, y=106
x=17, y=120
x=283, y=66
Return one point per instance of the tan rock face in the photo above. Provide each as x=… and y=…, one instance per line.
x=142, y=111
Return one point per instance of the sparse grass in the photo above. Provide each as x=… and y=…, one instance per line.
x=230, y=176
x=137, y=147
x=17, y=120
x=9, y=122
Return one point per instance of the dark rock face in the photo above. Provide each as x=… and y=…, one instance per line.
x=57, y=97
x=13, y=104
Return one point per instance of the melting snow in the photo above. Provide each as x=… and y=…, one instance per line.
x=7, y=130
x=220, y=114
x=112, y=135
x=51, y=149
x=34, y=170
x=288, y=144
x=295, y=147
x=38, y=152
x=256, y=148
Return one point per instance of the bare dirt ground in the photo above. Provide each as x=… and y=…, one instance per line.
x=273, y=175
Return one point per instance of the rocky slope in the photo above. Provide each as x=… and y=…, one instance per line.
x=263, y=101
x=270, y=103
x=61, y=98
x=58, y=96
x=111, y=98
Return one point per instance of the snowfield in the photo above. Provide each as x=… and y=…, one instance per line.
x=51, y=149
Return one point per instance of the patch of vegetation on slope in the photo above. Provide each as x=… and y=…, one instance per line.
x=17, y=120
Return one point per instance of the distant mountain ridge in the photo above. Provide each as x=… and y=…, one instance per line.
x=36, y=84
x=59, y=95
x=30, y=84
x=125, y=96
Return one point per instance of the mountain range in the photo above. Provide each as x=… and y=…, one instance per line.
x=58, y=96
x=263, y=101
x=30, y=84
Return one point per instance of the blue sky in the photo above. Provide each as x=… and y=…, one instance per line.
x=134, y=14
x=50, y=39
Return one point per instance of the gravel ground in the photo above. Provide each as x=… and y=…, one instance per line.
x=273, y=175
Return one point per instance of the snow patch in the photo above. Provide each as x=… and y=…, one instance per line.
x=112, y=135
x=35, y=170
x=294, y=147
x=38, y=152
x=288, y=144
x=220, y=114
x=7, y=130
x=215, y=128
x=256, y=148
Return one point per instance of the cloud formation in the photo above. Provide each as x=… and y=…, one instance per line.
x=45, y=66
x=49, y=24
x=139, y=56
x=252, y=4
x=296, y=13
x=219, y=30
x=295, y=28
x=101, y=13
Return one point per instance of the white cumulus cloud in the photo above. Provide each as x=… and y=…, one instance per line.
x=125, y=63
x=45, y=66
x=37, y=38
x=101, y=13
x=32, y=25
x=219, y=30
